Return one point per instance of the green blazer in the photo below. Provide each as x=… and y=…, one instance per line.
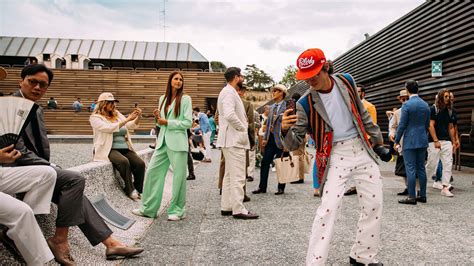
x=174, y=134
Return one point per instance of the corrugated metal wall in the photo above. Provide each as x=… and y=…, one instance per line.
x=437, y=30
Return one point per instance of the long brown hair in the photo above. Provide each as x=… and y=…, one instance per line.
x=179, y=94
x=100, y=110
x=440, y=99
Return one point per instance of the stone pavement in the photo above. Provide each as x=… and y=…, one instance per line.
x=438, y=232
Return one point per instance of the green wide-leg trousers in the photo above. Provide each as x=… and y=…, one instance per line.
x=155, y=182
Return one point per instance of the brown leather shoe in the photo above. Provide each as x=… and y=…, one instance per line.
x=60, y=256
x=246, y=198
x=247, y=216
x=114, y=253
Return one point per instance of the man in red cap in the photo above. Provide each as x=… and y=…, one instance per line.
x=332, y=113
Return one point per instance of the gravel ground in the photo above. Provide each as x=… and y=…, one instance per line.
x=439, y=232
x=68, y=155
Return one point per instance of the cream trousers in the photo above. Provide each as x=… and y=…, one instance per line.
x=348, y=159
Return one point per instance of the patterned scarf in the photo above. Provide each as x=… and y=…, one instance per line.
x=323, y=140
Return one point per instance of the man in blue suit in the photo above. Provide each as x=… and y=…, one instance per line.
x=413, y=126
x=271, y=139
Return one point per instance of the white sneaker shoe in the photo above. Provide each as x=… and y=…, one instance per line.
x=138, y=212
x=274, y=169
x=173, y=218
x=445, y=192
x=438, y=185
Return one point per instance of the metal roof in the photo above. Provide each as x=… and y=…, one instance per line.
x=100, y=49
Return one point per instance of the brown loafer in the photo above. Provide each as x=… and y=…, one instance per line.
x=248, y=216
x=114, y=253
x=60, y=256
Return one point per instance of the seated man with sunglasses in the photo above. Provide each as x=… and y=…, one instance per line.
x=73, y=207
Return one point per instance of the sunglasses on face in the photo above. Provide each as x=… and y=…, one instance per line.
x=403, y=99
x=35, y=82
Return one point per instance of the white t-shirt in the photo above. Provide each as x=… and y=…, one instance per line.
x=339, y=115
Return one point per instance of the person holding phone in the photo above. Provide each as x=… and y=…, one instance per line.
x=272, y=138
x=174, y=116
x=112, y=142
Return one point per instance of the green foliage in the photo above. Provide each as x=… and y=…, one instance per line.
x=257, y=78
x=289, y=77
x=218, y=66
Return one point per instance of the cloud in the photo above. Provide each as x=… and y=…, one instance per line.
x=290, y=47
x=269, y=33
x=268, y=43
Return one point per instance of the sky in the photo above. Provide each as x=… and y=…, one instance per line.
x=268, y=33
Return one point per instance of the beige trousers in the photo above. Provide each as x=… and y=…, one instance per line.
x=38, y=183
x=234, y=181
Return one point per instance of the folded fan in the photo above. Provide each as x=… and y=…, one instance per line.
x=15, y=114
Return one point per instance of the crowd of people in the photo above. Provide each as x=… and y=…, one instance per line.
x=333, y=115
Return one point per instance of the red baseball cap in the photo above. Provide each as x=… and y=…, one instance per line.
x=309, y=63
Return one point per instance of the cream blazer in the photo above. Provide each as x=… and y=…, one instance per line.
x=233, y=122
x=103, y=135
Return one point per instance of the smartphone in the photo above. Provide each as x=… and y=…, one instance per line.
x=291, y=104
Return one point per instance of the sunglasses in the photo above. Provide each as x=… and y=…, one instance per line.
x=403, y=99
x=35, y=82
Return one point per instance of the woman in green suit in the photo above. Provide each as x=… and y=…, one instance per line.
x=174, y=117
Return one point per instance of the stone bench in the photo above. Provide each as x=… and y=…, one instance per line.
x=101, y=179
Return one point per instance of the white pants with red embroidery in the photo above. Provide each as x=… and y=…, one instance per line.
x=349, y=158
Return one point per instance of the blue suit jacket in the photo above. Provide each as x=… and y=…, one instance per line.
x=414, y=124
x=277, y=124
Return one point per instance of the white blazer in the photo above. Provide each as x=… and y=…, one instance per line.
x=104, y=135
x=233, y=122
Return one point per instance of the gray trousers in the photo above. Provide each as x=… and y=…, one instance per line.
x=75, y=209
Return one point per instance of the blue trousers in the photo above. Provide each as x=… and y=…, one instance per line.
x=439, y=172
x=315, y=176
x=415, y=166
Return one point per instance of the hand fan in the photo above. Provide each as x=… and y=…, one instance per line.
x=15, y=114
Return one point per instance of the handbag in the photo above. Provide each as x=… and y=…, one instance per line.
x=197, y=154
x=306, y=159
x=400, y=167
x=287, y=169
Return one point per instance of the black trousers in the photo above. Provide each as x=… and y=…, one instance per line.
x=128, y=162
x=190, y=165
x=271, y=150
x=75, y=209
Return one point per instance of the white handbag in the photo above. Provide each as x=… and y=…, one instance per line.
x=306, y=159
x=287, y=169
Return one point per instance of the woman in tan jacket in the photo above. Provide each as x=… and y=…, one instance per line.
x=112, y=142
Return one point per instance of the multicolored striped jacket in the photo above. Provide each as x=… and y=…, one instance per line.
x=313, y=119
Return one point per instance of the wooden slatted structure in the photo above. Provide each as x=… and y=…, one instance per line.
x=130, y=87
x=435, y=31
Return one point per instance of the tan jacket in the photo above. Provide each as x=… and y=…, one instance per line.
x=395, y=120
x=103, y=135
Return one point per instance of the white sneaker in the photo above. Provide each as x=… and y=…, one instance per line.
x=173, y=218
x=274, y=169
x=445, y=192
x=138, y=212
x=438, y=185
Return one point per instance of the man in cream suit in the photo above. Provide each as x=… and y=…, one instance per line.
x=233, y=140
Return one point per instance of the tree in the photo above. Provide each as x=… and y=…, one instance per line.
x=218, y=66
x=257, y=78
x=289, y=77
